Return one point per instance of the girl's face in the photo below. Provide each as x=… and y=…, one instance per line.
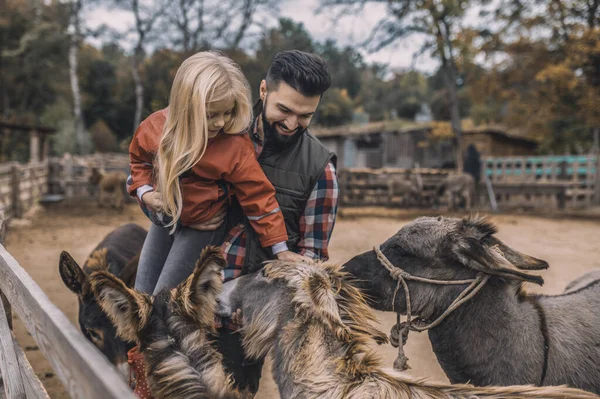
x=218, y=113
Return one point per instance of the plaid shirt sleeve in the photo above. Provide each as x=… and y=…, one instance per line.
x=316, y=224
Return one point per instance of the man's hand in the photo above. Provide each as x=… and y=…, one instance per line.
x=213, y=223
x=290, y=256
x=153, y=200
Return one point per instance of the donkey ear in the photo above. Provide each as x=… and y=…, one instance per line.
x=198, y=293
x=128, y=309
x=520, y=260
x=129, y=272
x=71, y=274
x=474, y=254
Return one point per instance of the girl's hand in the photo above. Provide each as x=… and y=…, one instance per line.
x=213, y=223
x=152, y=199
x=290, y=256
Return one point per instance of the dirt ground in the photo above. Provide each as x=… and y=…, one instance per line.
x=570, y=246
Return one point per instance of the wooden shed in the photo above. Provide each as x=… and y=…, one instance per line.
x=38, y=137
x=494, y=142
x=405, y=144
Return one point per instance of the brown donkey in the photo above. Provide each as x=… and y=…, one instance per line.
x=118, y=254
x=317, y=325
x=172, y=330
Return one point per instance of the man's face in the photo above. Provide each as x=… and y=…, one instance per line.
x=286, y=113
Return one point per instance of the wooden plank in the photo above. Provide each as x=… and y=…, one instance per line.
x=14, y=185
x=5, y=168
x=13, y=382
x=84, y=371
x=7, y=309
x=34, y=389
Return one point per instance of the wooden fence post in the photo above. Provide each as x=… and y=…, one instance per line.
x=15, y=191
x=13, y=382
x=7, y=309
x=596, y=152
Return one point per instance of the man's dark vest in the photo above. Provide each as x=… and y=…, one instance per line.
x=294, y=173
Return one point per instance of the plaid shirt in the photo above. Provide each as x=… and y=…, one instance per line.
x=316, y=224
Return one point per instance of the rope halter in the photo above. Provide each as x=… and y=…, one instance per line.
x=399, y=333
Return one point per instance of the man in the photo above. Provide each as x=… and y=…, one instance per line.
x=303, y=173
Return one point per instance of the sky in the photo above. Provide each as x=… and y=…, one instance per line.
x=349, y=30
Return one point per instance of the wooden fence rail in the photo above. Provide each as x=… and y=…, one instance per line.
x=21, y=186
x=69, y=175
x=83, y=370
x=515, y=182
x=537, y=176
x=374, y=187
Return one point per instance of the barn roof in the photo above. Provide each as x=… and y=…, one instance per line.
x=27, y=128
x=402, y=126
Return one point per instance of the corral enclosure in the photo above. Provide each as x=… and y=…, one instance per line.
x=77, y=226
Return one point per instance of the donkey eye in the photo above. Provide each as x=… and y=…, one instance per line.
x=93, y=334
x=263, y=273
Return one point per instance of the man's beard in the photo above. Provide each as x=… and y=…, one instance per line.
x=273, y=139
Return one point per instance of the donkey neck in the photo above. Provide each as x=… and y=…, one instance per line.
x=494, y=339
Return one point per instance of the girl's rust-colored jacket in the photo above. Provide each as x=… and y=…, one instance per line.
x=228, y=167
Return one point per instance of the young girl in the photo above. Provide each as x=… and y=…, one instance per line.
x=187, y=160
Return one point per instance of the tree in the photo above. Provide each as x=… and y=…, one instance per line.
x=346, y=64
x=335, y=109
x=75, y=38
x=33, y=53
x=439, y=21
x=146, y=15
x=546, y=80
x=204, y=24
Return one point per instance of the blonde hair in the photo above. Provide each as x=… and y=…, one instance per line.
x=202, y=78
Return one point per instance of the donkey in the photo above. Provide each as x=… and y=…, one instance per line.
x=172, y=330
x=117, y=253
x=501, y=335
x=457, y=187
x=111, y=186
x=317, y=326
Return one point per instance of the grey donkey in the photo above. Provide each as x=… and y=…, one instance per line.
x=457, y=187
x=118, y=253
x=502, y=336
x=317, y=325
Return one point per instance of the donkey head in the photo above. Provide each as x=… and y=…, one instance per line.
x=284, y=292
x=172, y=329
x=93, y=322
x=443, y=249
x=140, y=318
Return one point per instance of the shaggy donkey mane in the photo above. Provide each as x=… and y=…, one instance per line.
x=322, y=350
x=325, y=293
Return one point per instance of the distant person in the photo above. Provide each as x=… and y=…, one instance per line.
x=472, y=163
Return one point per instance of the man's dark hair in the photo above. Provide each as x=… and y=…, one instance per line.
x=305, y=72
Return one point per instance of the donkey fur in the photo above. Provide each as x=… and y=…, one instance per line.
x=118, y=254
x=111, y=186
x=455, y=188
x=173, y=330
x=317, y=325
x=497, y=338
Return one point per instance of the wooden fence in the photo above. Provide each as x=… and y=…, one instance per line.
x=83, y=370
x=69, y=175
x=374, y=187
x=21, y=186
x=548, y=181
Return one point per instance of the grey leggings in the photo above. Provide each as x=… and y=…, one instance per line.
x=166, y=260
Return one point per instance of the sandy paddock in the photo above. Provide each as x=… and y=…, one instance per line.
x=570, y=246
